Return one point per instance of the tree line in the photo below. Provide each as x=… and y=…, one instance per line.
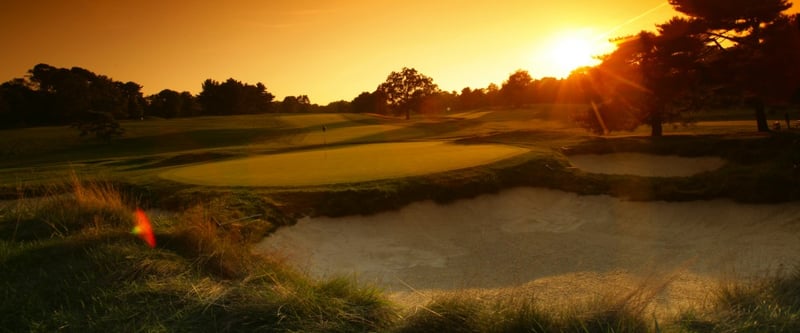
x=92, y=102
x=722, y=53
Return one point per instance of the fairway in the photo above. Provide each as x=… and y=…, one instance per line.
x=343, y=165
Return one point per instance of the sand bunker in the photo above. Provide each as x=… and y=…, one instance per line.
x=551, y=243
x=646, y=164
x=343, y=165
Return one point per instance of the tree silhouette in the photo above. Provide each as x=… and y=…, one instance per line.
x=649, y=79
x=739, y=29
x=22, y=106
x=471, y=99
x=102, y=124
x=234, y=97
x=295, y=104
x=169, y=103
x=517, y=89
x=75, y=96
x=369, y=102
x=132, y=99
x=405, y=90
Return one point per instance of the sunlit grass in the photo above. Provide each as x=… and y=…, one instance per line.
x=465, y=312
x=343, y=165
x=768, y=305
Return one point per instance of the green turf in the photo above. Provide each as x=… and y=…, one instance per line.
x=349, y=164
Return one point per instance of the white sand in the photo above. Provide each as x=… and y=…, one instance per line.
x=555, y=246
x=645, y=164
x=549, y=244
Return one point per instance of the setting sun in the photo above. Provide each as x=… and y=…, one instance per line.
x=571, y=50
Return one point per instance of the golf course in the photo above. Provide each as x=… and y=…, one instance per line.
x=369, y=221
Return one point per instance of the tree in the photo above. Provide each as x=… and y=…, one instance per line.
x=101, y=124
x=772, y=69
x=517, y=89
x=234, y=97
x=405, y=90
x=167, y=104
x=369, y=102
x=470, y=99
x=649, y=79
x=336, y=107
x=22, y=106
x=738, y=29
x=79, y=97
x=492, y=95
x=295, y=104
x=132, y=99
x=545, y=90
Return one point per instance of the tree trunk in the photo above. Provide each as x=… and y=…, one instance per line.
x=656, y=126
x=761, y=116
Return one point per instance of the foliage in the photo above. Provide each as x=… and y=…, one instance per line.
x=405, y=91
x=754, y=41
x=172, y=104
x=101, y=124
x=517, y=89
x=75, y=92
x=234, y=97
x=295, y=104
x=649, y=79
x=59, y=96
x=470, y=99
x=736, y=15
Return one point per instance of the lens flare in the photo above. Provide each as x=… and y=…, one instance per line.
x=144, y=229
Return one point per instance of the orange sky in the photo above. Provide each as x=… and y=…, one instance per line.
x=329, y=50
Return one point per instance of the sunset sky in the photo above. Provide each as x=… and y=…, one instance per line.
x=328, y=50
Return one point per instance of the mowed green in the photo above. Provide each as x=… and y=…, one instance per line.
x=351, y=164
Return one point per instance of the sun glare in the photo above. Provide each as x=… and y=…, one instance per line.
x=571, y=50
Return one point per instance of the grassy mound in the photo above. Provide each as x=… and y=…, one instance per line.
x=68, y=262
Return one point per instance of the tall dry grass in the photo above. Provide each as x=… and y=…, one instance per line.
x=630, y=311
x=67, y=208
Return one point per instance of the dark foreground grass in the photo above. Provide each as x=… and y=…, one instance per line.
x=69, y=263
x=84, y=271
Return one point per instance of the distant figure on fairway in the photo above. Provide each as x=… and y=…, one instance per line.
x=324, y=128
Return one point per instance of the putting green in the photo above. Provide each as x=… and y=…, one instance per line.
x=343, y=165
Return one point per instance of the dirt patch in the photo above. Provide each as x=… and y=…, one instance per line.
x=549, y=243
x=645, y=164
